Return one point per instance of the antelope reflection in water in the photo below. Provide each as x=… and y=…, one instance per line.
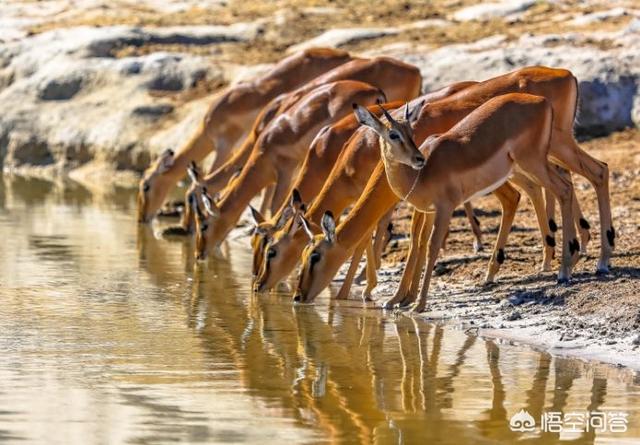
x=356, y=376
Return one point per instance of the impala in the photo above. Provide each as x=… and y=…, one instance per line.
x=558, y=86
x=320, y=159
x=348, y=177
x=277, y=153
x=229, y=117
x=476, y=156
x=398, y=81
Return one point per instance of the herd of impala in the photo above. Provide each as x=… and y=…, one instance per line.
x=324, y=131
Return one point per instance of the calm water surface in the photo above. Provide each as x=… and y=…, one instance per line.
x=111, y=335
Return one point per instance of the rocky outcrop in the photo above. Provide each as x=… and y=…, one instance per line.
x=340, y=37
x=72, y=101
x=487, y=11
x=607, y=66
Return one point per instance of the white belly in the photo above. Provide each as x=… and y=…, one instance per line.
x=491, y=187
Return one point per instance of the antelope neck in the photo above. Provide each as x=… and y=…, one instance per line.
x=402, y=178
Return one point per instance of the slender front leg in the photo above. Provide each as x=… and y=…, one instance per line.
x=423, y=243
x=382, y=237
x=343, y=294
x=440, y=228
x=509, y=198
x=405, y=281
x=380, y=240
x=372, y=275
x=475, y=227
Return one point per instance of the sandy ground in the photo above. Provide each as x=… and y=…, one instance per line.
x=594, y=317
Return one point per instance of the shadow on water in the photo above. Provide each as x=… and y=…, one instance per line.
x=139, y=343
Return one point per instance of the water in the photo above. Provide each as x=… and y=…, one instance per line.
x=109, y=335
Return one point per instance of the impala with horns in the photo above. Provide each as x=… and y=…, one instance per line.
x=558, y=86
x=476, y=156
x=228, y=119
x=346, y=180
x=276, y=155
x=398, y=80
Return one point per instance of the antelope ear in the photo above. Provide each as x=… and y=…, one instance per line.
x=166, y=160
x=306, y=227
x=365, y=117
x=296, y=199
x=329, y=226
x=286, y=214
x=192, y=171
x=257, y=216
x=412, y=115
x=209, y=205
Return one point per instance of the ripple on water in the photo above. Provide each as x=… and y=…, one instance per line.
x=112, y=335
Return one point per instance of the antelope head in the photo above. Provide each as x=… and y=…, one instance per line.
x=266, y=234
x=206, y=216
x=396, y=135
x=282, y=253
x=320, y=260
x=153, y=189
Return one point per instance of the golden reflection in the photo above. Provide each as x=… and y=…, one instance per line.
x=95, y=302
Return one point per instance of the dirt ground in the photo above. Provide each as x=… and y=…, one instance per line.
x=289, y=22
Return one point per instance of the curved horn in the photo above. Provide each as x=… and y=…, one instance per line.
x=385, y=112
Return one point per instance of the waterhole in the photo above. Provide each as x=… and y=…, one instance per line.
x=110, y=334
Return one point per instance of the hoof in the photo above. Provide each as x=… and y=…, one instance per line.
x=283, y=287
x=487, y=284
x=563, y=280
x=602, y=268
x=417, y=308
x=366, y=296
x=388, y=305
x=477, y=246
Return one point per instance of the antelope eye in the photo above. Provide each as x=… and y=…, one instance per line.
x=314, y=258
x=271, y=252
x=145, y=186
x=204, y=227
